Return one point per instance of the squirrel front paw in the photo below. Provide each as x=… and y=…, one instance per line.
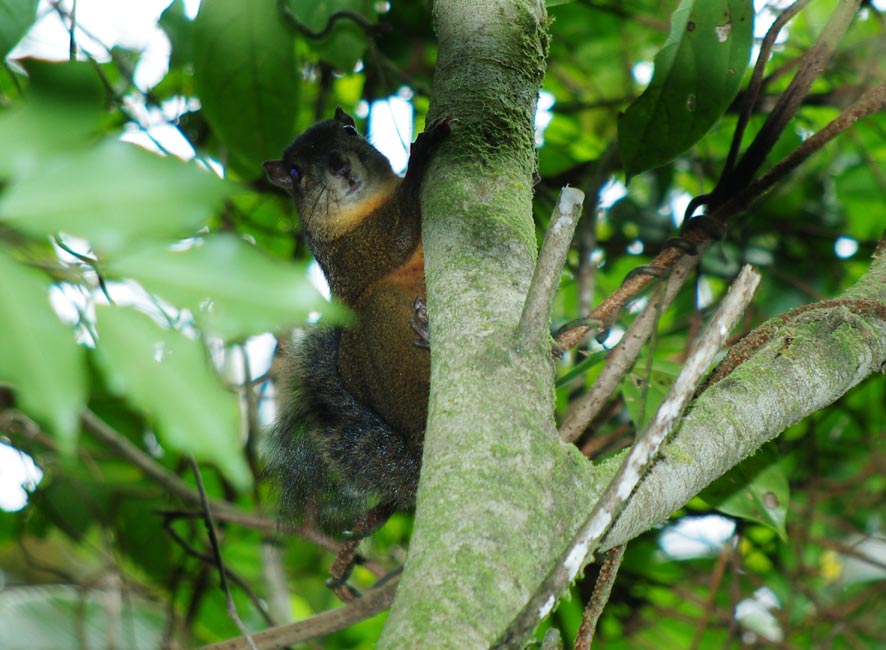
x=421, y=150
x=419, y=322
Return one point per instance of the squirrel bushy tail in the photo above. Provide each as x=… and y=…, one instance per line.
x=329, y=452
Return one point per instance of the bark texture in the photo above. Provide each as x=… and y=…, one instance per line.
x=498, y=488
x=500, y=495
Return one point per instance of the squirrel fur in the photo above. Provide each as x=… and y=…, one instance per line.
x=351, y=418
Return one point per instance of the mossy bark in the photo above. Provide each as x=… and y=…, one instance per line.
x=498, y=489
x=808, y=363
x=500, y=495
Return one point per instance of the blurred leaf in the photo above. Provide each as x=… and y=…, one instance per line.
x=345, y=44
x=180, y=31
x=72, y=504
x=567, y=141
x=138, y=521
x=60, y=112
x=861, y=196
x=38, y=356
x=581, y=367
x=16, y=17
x=697, y=75
x=643, y=394
x=113, y=195
x=756, y=490
x=230, y=286
x=245, y=74
x=169, y=376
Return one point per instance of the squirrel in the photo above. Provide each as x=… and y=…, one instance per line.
x=348, y=438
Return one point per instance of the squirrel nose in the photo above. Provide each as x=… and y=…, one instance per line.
x=339, y=165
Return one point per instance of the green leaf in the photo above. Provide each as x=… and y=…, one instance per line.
x=169, y=377
x=61, y=111
x=180, y=31
x=112, y=195
x=756, y=489
x=345, y=44
x=38, y=356
x=697, y=74
x=16, y=17
x=263, y=294
x=246, y=77
x=861, y=198
x=643, y=394
x=581, y=368
x=136, y=522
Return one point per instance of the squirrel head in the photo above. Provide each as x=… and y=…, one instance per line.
x=335, y=176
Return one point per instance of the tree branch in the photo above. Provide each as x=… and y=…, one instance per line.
x=621, y=359
x=222, y=510
x=790, y=100
x=871, y=101
x=634, y=467
x=371, y=603
x=602, y=589
x=546, y=279
x=734, y=191
x=806, y=367
x=605, y=314
x=755, y=85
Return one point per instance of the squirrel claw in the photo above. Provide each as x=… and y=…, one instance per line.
x=419, y=323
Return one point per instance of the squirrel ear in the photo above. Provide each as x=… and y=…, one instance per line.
x=278, y=174
x=344, y=118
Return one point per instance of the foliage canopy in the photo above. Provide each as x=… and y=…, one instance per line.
x=138, y=291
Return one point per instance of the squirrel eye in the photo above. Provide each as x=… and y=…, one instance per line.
x=350, y=130
x=295, y=173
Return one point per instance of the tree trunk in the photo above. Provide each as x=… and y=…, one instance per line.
x=493, y=462
x=500, y=495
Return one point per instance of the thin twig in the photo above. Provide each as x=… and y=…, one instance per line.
x=178, y=488
x=91, y=262
x=371, y=603
x=368, y=27
x=209, y=559
x=618, y=9
x=790, y=100
x=546, y=278
x=119, y=444
x=621, y=359
x=755, y=85
x=72, y=41
x=713, y=587
x=586, y=239
x=644, y=451
x=871, y=101
x=252, y=426
x=216, y=551
x=602, y=589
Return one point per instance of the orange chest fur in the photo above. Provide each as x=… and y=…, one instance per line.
x=410, y=276
x=378, y=358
